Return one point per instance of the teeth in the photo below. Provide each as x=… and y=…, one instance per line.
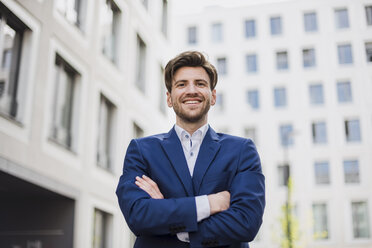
x=191, y=102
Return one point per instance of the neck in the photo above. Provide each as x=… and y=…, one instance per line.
x=191, y=127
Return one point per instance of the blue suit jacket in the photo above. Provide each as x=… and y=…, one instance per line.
x=224, y=162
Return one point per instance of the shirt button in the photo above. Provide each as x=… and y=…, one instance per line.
x=191, y=154
x=186, y=136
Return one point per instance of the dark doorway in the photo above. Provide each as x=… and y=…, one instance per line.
x=34, y=217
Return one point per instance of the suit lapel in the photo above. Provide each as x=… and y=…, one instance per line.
x=207, y=152
x=173, y=148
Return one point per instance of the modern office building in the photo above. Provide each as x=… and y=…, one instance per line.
x=78, y=80
x=296, y=77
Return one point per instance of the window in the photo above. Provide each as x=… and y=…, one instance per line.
x=250, y=133
x=145, y=3
x=316, y=94
x=280, y=97
x=12, y=31
x=319, y=130
x=192, y=35
x=219, y=101
x=308, y=57
x=286, y=137
x=66, y=78
x=369, y=15
x=105, y=133
x=162, y=91
x=320, y=221
x=222, y=66
x=164, y=18
x=281, y=60
x=345, y=55
x=360, y=219
x=251, y=61
x=217, y=34
x=253, y=99
x=250, y=28
x=283, y=175
x=351, y=171
x=102, y=229
x=352, y=130
x=137, y=131
x=369, y=51
x=71, y=10
x=141, y=64
x=344, y=92
x=276, y=25
x=321, y=172
x=310, y=22
x=110, y=30
x=342, y=18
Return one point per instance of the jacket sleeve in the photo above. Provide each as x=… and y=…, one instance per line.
x=147, y=216
x=241, y=222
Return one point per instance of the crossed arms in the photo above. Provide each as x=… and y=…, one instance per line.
x=232, y=220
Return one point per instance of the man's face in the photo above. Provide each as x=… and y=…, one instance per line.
x=191, y=95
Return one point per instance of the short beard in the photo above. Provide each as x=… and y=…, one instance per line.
x=192, y=119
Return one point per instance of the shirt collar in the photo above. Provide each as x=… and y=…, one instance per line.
x=198, y=134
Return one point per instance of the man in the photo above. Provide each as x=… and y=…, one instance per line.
x=192, y=187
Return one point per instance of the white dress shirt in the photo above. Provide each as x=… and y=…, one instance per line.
x=191, y=146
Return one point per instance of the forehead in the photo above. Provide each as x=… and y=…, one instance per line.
x=191, y=73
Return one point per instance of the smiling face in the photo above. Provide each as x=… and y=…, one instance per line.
x=191, y=96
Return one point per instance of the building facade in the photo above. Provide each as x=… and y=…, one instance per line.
x=78, y=80
x=296, y=77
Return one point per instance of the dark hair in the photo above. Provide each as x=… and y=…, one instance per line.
x=192, y=59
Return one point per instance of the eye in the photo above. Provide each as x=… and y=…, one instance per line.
x=201, y=84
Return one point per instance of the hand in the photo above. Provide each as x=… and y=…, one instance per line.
x=149, y=186
x=219, y=202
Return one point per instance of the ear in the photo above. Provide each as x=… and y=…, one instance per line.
x=214, y=96
x=169, y=100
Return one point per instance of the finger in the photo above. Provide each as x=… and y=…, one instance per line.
x=154, y=186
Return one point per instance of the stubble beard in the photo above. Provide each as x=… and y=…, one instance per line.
x=192, y=118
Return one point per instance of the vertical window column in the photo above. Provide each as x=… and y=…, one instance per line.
x=320, y=221
x=360, y=216
x=141, y=64
x=110, y=18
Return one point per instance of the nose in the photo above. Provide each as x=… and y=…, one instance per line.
x=191, y=88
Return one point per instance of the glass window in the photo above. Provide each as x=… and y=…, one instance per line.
x=321, y=172
x=286, y=137
x=219, y=101
x=141, y=64
x=276, y=25
x=319, y=130
x=342, y=18
x=280, y=97
x=282, y=60
x=253, y=99
x=251, y=62
x=351, y=171
x=316, y=94
x=65, y=91
x=162, y=91
x=110, y=17
x=222, y=66
x=102, y=229
x=250, y=133
x=308, y=57
x=360, y=219
x=352, y=130
x=320, y=221
x=369, y=15
x=11, y=39
x=345, y=55
x=310, y=22
x=250, y=28
x=344, y=92
x=283, y=175
x=217, y=33
x=105, y=127
x=369, y=51
x=192, y=35
x=71, y=10
x=137, y=131
x=164, y=18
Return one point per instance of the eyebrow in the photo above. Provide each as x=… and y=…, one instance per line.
x=185, y=80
